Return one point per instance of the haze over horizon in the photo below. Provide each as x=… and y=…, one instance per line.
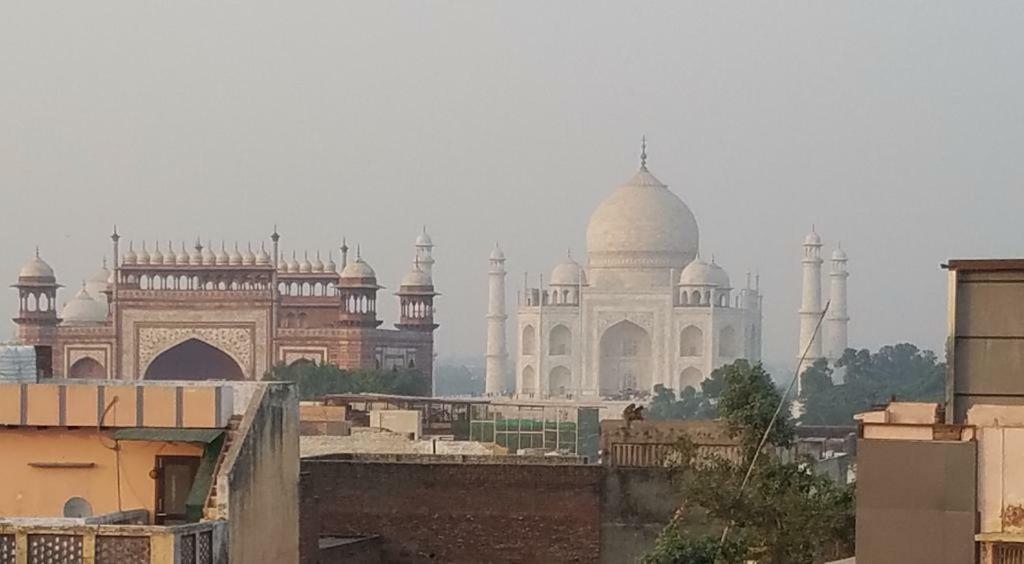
x=894, y=127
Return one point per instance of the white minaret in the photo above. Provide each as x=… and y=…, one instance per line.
x=497, y=353
x=425, y=252
x=810, y=305
x=837, y=319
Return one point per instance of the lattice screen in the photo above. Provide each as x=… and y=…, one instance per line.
x=188, y=549
x=122, y=550
x=54, y=549
x=204, y=548
x=6, y=549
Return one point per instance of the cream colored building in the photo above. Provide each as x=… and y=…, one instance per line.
x=646, y=309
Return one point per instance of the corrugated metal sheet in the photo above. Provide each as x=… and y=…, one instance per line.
x=170, y=435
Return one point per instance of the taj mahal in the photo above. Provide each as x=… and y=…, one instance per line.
x=646, y=309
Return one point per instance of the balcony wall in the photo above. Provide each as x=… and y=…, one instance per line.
x=34, y=541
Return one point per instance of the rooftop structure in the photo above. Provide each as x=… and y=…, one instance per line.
x=148, y=472
x=954, y=467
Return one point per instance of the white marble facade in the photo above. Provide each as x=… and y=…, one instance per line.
x=646, y=309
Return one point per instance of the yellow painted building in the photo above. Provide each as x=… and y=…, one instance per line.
x=99, y=472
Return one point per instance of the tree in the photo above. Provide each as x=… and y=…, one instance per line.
x=899, y=371
x=691, y=404
x=786, y=514
x=317, y=380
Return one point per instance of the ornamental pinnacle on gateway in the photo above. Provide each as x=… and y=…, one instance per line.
x=643, y=152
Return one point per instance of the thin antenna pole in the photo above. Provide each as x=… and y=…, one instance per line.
x=775, y=417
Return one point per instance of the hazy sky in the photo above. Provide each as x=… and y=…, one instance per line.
x=895, y=127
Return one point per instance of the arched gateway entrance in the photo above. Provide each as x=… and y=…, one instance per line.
x=194, y=360
x=625, y=359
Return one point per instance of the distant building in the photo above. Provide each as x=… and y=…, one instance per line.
x=159, y=473
x=206, y=313
x=646, y=309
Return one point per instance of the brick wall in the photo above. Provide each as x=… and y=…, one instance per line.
x=463, y=512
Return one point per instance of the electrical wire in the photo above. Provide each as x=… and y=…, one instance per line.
x=775, y=416
x=116, y=448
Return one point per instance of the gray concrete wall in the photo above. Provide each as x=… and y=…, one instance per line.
x=263, y=481
x=987, y=336
x=916, y=502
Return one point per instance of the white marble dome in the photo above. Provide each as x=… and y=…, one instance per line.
x=416, y=277
x=568, y=273
x=83, y=308
x=719, y=277
x=98, y=283
x=36, y=268
x=358, y=269
x=697, y=273
x=642, y=224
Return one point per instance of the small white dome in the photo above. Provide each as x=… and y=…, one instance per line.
x=36, y=268
x=195, y=256
x=222, y=255
x=568, y=273
x=318, y=265
x=497, y=253
x=358, y=269
x=424, y=240
x=839, y=254
x=293, y=266
x=416, y=277
x=719, y=277
x=812, y=238
x=99, y=282
x=263, y=257
x=156, y=257
x=130, y=257
x=305, y=266
x=84, y=309
x=331, y=266
x=182, y=259
x=209, y=259
x=697, y=273
x=235, y=257
x=248, y=257
x=143, y=257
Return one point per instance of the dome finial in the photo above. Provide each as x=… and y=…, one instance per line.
x=37, y=251
x=643, y=152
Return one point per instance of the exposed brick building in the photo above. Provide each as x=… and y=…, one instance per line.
x=204, y=313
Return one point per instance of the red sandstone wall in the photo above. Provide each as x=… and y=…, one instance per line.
x=463, y=513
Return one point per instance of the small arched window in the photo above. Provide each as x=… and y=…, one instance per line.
x=560, y=341
x=691, y=342
x=528, y=344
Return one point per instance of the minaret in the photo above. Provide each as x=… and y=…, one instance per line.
x=425, y=252
x=837, y=319
x=497, y=353
x=810, y=305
